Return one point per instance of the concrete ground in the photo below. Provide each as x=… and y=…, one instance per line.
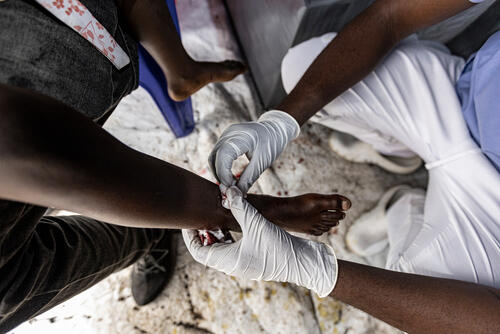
x=201, y=300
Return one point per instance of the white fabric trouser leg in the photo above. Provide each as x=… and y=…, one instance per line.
x=408, y=104
x=405, y=220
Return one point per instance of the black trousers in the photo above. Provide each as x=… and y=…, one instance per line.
x=47, y=260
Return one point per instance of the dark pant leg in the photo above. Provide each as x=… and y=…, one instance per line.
x=47, y=260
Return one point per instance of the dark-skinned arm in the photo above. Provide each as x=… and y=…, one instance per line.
x=419, y=304
x=359, y=47
x=50, y=155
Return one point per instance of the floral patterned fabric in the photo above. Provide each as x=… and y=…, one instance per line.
x=75, y=15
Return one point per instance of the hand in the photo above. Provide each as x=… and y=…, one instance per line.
x=262, y=142
x=266, y=252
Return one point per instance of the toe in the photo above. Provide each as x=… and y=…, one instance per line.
x=332, y=215
x=334, y=202
x=324, y=228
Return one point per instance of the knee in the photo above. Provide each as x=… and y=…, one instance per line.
x=300, y=57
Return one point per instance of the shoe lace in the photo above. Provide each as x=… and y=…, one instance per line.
x=149, y=262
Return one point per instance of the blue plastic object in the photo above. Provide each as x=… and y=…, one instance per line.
x=179, y=115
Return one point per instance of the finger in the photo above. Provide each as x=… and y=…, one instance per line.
x=224, y=158
x=214, y=256
x=193, y=243
x=235, y=198
x=211, y=162
x=250, y=174
x=244, y=213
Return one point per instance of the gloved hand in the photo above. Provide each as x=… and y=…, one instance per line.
x=266, y=252
x=262, y=141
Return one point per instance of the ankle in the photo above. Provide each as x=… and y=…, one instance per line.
x=272, y=208
x=184, y=71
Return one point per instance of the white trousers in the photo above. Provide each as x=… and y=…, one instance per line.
x=407, y=106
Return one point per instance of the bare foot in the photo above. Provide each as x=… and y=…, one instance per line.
x=311, y=213
x=182, y=86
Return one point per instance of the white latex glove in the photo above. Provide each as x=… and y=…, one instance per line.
x=262, y=142
x=267, y=252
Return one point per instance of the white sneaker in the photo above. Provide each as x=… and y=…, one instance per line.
x=368, y=235
x=355, y=150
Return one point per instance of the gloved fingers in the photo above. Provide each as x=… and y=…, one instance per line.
x=245, y=214
x=214, y=256
x=251, y=173
x=226, y=154
x=211, y=161
x=193, y=243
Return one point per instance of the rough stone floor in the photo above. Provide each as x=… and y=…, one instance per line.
x=200, y=300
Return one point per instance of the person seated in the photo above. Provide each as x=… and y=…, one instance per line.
x=56, y=90
x=405, y=106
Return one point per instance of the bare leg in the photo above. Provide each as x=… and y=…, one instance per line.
x=311, y=213
x=152, y=24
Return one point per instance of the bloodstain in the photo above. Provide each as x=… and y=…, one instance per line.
x=208, y=238
x=279, y=193
x=301, y=160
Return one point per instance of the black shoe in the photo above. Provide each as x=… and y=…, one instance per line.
x=152, y=272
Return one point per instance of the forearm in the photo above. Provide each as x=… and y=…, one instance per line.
x=419, y=304
x=152, y=25
x=359, y=47
x=53, y=156
x=346, y=60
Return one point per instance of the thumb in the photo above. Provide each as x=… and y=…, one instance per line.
x=235, y=199
x=250, y=174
